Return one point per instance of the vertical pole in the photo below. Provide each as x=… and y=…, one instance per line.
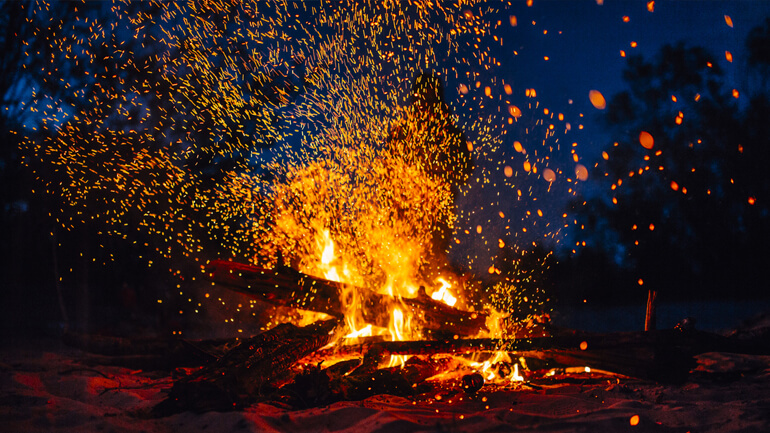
x=649, y=317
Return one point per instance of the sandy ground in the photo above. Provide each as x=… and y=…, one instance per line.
x=47, y=387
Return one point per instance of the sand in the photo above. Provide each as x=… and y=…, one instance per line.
x=47, y=387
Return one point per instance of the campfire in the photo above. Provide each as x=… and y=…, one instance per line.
x=423, y=347
x=307, y=157
x=357, y=245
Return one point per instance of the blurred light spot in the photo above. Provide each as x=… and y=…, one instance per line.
x=597, y=99
x=549, y=175
x=581, y=172
x=646, y=140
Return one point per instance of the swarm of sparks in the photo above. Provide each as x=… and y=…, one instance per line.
x=308, y=132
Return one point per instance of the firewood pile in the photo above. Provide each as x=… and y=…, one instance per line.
x=298, y=367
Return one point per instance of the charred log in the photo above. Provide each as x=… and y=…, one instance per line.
x=280, y=286
x=286, y=287
x=238, y=378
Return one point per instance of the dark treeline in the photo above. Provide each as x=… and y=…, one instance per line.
x=683, y=193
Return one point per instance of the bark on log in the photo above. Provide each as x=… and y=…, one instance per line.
x=287, y=287
x=237, y=378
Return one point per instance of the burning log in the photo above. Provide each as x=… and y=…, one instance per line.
x=343, y=381
x=287, y=287
x=664, y=356
x=238, y=378
x=281, y=286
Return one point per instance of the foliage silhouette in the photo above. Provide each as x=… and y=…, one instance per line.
x=687, y=216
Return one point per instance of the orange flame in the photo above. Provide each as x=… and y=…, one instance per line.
x=443, y=293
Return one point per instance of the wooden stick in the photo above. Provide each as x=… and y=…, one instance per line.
x=650, y=317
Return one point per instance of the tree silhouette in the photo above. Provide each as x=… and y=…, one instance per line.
x=110, y=121
x=685, y=211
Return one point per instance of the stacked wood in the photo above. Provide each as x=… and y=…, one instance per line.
x=238, y=378
x=266, y=366
x=287, y=287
